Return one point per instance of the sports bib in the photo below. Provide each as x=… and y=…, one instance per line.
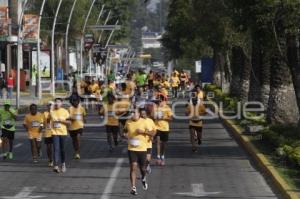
x=35, y=124
x=77, y=116
x=134, y=142
x=56, y=125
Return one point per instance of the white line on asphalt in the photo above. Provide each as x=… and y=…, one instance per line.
x=113, y=177
x=25, y=193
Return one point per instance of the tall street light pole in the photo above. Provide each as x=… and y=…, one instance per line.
x=82, y=37
x=52, y=50
x=21, y=9
x=39, y=51
x=67, y=36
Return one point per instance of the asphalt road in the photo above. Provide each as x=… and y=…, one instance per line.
x=220, y=169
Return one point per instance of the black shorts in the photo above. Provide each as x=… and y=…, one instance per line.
x=48, y=140
x=196, y=128
x=139, y=157
x=164, y=135
x=149, y=151
x=112, y=129
x=75, y=133
x=8, y=134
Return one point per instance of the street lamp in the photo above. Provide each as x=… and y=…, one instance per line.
x=20, y=51
x=67, y=35
x=39, y=51
x=52, y=50
x=82, y=36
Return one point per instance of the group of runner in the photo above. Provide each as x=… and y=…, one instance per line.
x=127, y=113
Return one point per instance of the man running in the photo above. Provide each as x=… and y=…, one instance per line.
x=162, y=115
x=112, y=124
x=59, y=120
x=174, y=84
x=194, y=110
x=151, y=129
x=77, y=117
x=33, y=123
x=135, y=131
x=48, y=133
x=8, y=118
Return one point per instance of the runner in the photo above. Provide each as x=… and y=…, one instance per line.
x=48, y=133
x=33, y=123
x=77, y=117
x=195, y=110
x=130, y=86
x=151, y=128
x=137, y=149
x=59, y=120
x=150, y=79
x=174, y=84
x=112, y=124
x=199, y=92
x=162, y=115
x=8, y=118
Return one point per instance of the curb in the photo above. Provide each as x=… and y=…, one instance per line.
x=262, y=161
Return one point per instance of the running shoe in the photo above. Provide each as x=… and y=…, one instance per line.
x=63, y=167
x=56, y=169
x=77, y=156
x=148, y=169
x=35, y=160
x=50, y=164
x=199, y=141
x=133, y=191
x=5, y=155
x=145, y=184
x=10, y=155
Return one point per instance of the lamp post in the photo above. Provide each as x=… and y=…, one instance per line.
x=67, y=35
x=21, y=9
x=39, y=51
x=52, y=50
x=82, y=36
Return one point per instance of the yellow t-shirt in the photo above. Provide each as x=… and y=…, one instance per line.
x=166, y=113
x=194, y=113
x=57, y=127
x=110, y=113
x=93, y=88
x=34, y=124
x=130, y=87
x=136, y=142
x=175, y=81
x=77, y=115
x=200, y=95
x=47, y=125
x=150, y=126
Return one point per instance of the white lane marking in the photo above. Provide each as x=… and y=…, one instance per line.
x=113, y=177
x=25, y=193
x=15, y=147
x=197, y=191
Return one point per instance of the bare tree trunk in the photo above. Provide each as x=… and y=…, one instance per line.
x=293, y=61
x=245, y=78
x=236, y=65
x=282, y=102
x=217, y=74
x=255, y=83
